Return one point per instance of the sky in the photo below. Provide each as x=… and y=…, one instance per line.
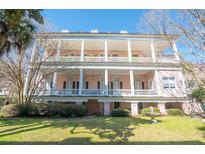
x=102, y=20
x=115, y=20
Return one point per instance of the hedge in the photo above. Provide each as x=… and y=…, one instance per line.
x=147, y=112
x=175, y=112
x=120, y=113
x=56, y=110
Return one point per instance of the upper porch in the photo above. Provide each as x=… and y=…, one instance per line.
x=114, y=50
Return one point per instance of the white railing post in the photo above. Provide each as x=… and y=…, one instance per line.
x=81, y=82
x=152, y=51
x=106, y=82
x=82, y=51
x=129, y=51
x=106, y=51
x=132, y=83
x=175, y=51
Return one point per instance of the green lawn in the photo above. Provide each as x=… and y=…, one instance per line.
x=102, y=130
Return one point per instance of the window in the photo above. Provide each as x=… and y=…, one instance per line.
x=135, y=55
x=169, y=82
x=115, y=55
x=116, y=105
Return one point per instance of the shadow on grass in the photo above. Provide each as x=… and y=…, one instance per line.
x=88, y=141
x=114, y=130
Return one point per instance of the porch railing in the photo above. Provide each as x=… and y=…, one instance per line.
x=112, y=59
x=145, y=92
x=95, y=92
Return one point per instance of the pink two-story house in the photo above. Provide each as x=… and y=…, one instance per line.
x=104, y=71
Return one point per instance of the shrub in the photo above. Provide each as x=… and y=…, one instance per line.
x=36, y=109
x=120, y=113
x=72, y=110
x=11, y=110
x=66, y=110
x=147, y=112
x=175, y=112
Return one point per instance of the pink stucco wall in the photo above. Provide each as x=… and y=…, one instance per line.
x=92, y=79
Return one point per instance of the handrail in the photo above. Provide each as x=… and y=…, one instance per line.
x=95, y=92
x=111, y=59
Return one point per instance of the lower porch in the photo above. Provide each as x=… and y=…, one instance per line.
x=105, y=105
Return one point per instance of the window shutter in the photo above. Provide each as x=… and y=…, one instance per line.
x=142, y=85
x=121, y=85
x=77, y=84
x=98, y=84
x=73, y=84
x=64, y=85
x=87, y=84
x=111, y=85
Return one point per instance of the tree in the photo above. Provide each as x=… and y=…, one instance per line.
x=33, y=61
x=17, y=28
x=190, y=26
x=199, y=94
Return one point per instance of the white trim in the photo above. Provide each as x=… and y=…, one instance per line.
x=81, y=82
x=115, y=67
x=129, y=51
x=106, y=51
x=106, y=82
x=82, y=51
x=132, y=83
x=152, y=51
x=175, y=51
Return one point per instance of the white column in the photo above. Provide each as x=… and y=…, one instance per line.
x=175, y=51
x=157, y=82
x=29, y=70
x=106, y=82
x=162, y=108
x=153, y=51
x=82, y=51
x=106, y=108
x=134, y=108
x=129, y=51
x=132, y=83
x=54, y=80
x=105, y=52
x=81, y=82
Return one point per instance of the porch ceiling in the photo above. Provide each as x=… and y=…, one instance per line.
x=101, y=72
x=119, y=45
